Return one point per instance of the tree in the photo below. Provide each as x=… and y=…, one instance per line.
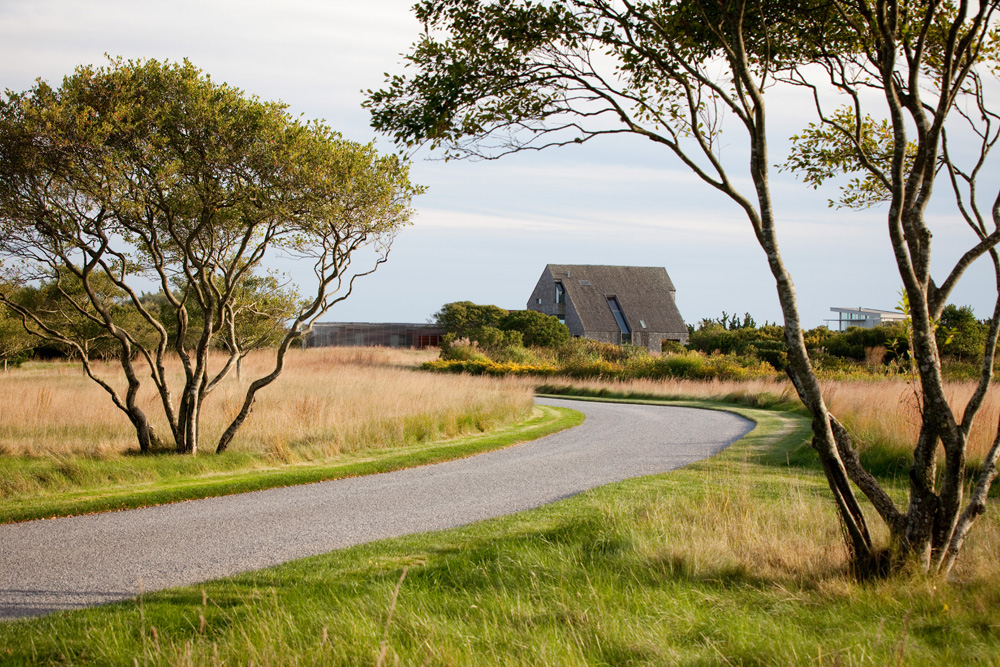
x=144, y=173
x=492, y=78
x=52, y=303
x=536, y=329
x=14, y=340
x=261, y=307
x=965, y=335
x=462, y=317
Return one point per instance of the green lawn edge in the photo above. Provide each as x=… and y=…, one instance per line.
x=544, y=421
x=780, y=434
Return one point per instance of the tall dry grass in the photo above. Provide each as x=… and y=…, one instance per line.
x=883, y=412
x=327, y=401
x=679, y=388
x=887, y=412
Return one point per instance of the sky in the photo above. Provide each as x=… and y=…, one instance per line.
x=484, y=231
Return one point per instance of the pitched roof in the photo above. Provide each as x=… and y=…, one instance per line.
x=644, y=293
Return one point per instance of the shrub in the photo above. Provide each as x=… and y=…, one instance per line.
x=960, y=334
x=690, y=365
x=460, y=349
x=461, y=317
x=536, y=329
x=672, y=347
x=520, y=355
x=598, y=368
x=581, y=350
x=851, y=344
x=487, y=367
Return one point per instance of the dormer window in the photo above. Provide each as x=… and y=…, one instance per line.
x=616, y=310
x=560, y=293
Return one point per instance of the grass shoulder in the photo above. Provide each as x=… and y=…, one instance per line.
x=186, y=478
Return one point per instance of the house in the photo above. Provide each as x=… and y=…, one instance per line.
x=866, y=318
x=368, y=334
x=612, y=304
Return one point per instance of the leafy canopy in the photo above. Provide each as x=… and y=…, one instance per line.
x=148, y=173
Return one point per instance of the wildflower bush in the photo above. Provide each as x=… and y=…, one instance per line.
x=488, y=367
x=585, y=359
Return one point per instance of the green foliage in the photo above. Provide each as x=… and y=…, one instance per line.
x=839, y=352
x=536, y=329
x=15, y=343
x=486, y=71
x=67, y=323
x=671, y=347
x=487, y=367
x=462, y=317
x=965, y=336
x=766, y=343
x=843, y=144
x=144, y=172
x=587, y=359
x=477, y=332
x=854, y=343
x=728, y=348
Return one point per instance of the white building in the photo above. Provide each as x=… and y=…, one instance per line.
x=866, y=318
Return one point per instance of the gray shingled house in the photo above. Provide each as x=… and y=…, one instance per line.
x=612, y=304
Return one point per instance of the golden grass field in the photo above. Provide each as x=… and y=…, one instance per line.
x=327, y=401
x=335, y=400
x=883, y=411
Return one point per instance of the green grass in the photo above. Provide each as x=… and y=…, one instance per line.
x=140, y=481
x=734, y=560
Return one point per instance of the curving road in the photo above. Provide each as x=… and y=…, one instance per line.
x=74, y=562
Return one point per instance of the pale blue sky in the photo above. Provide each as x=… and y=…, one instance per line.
x=484, y=231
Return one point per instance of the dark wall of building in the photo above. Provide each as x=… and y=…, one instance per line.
x=543, y=300
x=367, y=334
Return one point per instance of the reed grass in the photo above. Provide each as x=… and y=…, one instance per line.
x=61, y=436
x=882, y=415
x=328, y=401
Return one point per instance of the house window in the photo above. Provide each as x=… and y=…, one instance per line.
x=616, y=310
x=560, y=293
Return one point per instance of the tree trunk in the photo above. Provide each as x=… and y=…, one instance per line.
x=257, y=385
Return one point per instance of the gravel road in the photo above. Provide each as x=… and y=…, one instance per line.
x=80, y=561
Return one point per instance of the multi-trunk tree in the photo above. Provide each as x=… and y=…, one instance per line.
x=148, y=176
x=492, y=78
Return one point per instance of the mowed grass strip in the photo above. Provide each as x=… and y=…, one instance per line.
x=178, y=480
x=734, y=560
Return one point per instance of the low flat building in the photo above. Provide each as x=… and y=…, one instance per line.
x=612, y=304
x=374, y=334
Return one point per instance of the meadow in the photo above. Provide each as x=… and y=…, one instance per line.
x=65, y=449
x=328, y=401
x=734, y=560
